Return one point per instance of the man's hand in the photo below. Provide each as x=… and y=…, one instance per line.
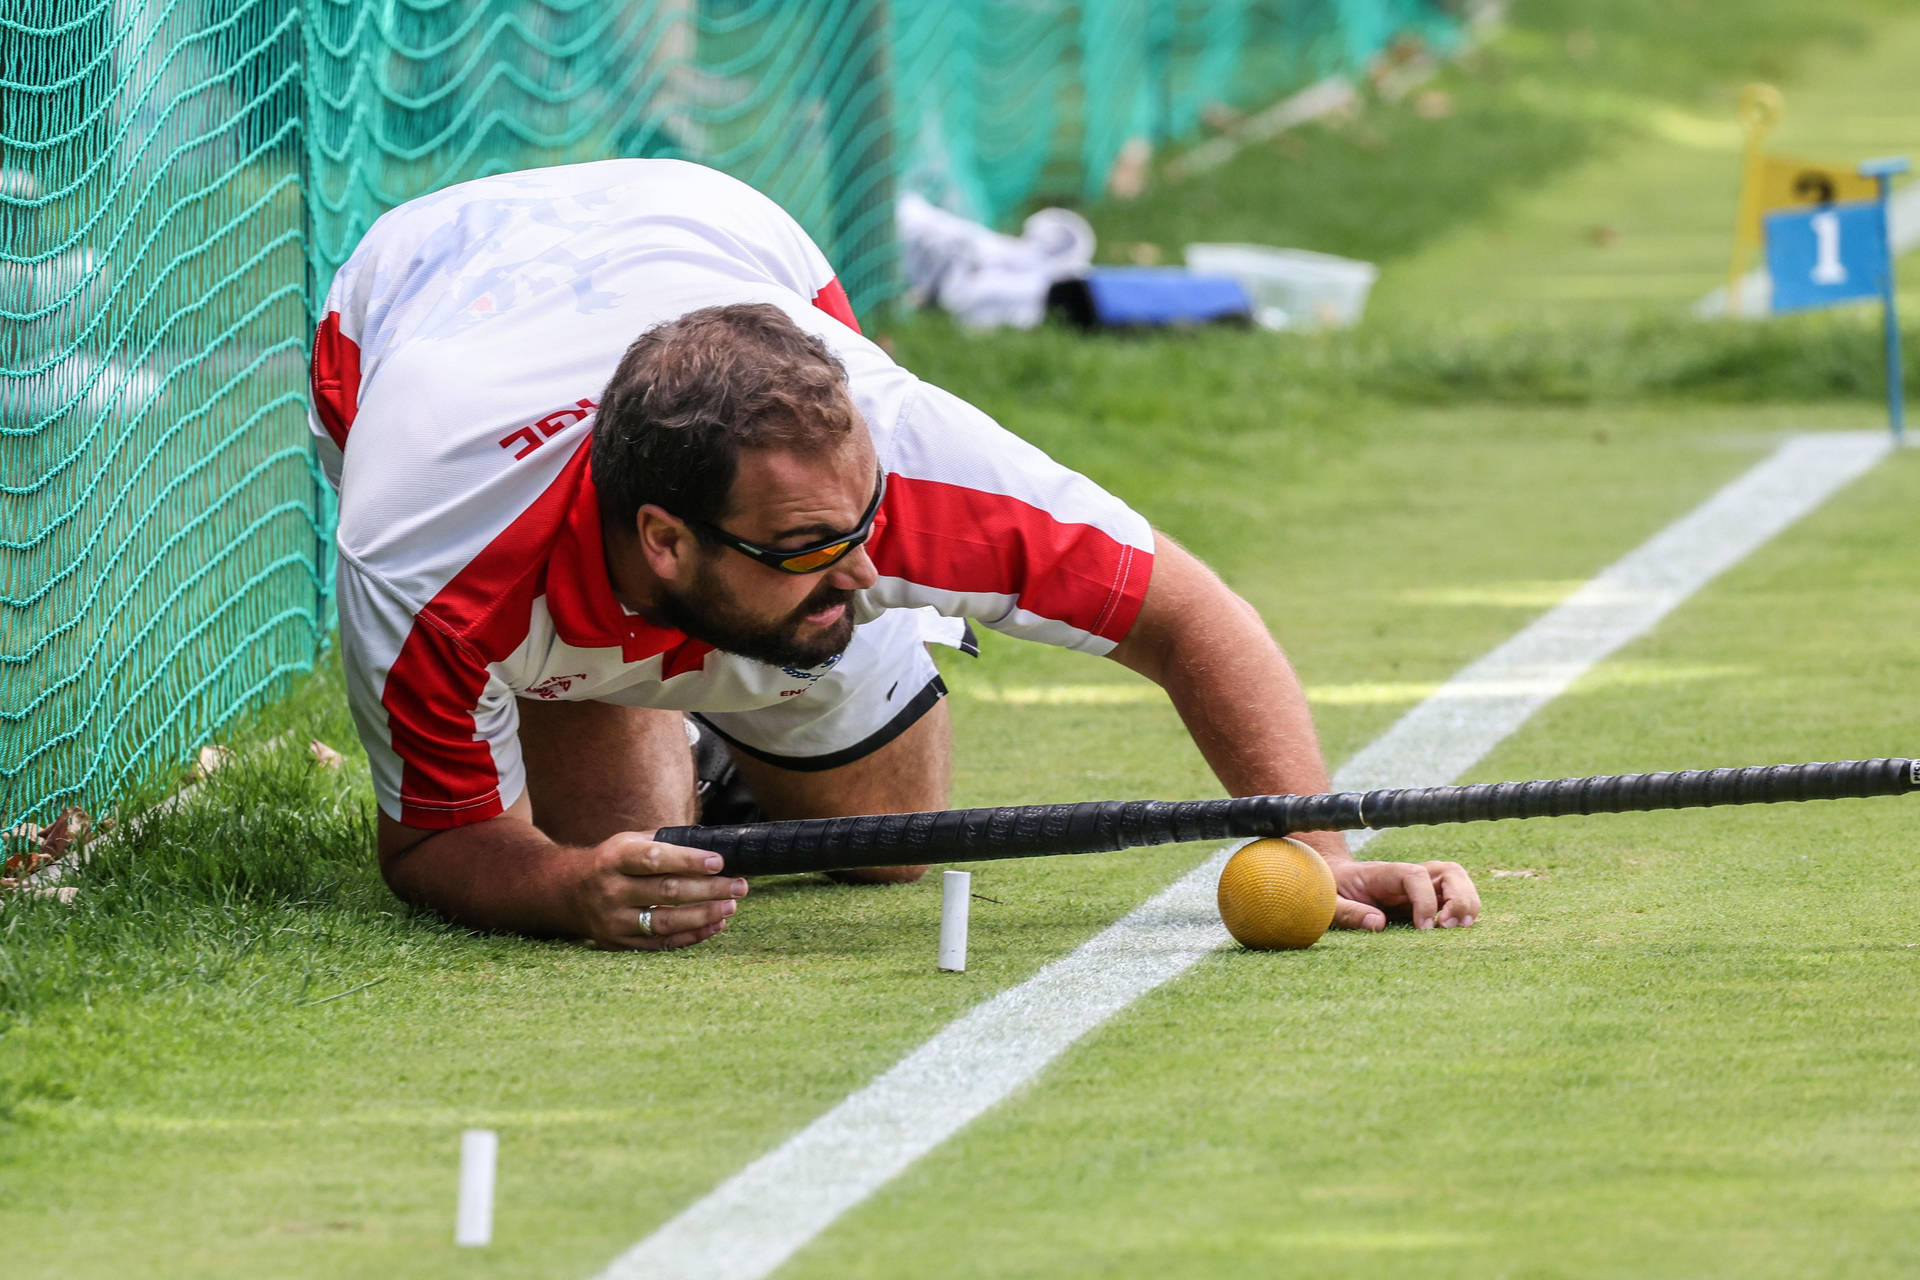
x=505, y=874
x=1426, y=893
x=632, y=872
x=1243, y=704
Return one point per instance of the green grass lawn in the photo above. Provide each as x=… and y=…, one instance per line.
x=1682, y=1046
x=1698, y=1010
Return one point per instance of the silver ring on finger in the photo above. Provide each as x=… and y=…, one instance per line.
x=646, y=922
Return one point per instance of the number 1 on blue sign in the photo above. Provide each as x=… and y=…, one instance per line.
x=1835, y=253
x=1826, y=256
x=1828, y=269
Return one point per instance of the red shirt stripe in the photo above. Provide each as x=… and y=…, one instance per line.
x=832, y=299
x=448, y=778
x=447, y=774
x=953, y=538
x=336, y=378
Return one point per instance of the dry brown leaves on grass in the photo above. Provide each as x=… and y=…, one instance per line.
x=1516, y=873
x=1132, y=169
x=212, y=759
x=325, y=756
x=1220, y=117
x=49, y=844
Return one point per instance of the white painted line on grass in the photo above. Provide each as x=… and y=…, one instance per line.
x=757, y=1219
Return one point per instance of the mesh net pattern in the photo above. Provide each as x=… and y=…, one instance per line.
x=180, y=178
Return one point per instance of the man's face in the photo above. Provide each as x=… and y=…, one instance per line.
x=781, y=499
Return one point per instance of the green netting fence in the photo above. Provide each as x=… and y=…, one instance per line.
x=179, y=179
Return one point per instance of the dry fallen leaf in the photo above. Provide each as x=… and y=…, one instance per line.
x=1219, y=116
x=1144, y=254
x=325, y=756
x=1127, y=179
x=68, y=832
x=1434, y=104
x=22, y=831
x=212, y=758
x=1516, y=873
x=21, y=865
x=1404, y=52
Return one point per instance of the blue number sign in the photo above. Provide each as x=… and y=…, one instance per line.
x=1832, y=254
x=1840, y=253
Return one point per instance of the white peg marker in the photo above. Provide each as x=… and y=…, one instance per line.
x=956, y=895
x=479, y=1149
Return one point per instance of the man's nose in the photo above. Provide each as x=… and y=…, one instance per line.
x=856, y=572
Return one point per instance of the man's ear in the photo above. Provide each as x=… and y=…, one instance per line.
x=666, y=542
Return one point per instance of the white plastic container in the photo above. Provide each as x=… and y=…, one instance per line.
x=1291, y=288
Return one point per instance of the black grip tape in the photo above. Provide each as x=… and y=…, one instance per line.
x=1100, y=826
x=1625, y=793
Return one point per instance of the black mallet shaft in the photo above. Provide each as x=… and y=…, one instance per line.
x=1040, y=830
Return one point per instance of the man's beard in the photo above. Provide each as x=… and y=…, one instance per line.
x=705, y=613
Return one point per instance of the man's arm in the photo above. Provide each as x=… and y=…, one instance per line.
x=505, y=874
x=1241, y=701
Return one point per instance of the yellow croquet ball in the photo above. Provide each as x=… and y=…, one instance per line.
x=1276, y=895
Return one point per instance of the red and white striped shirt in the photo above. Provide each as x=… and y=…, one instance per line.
x=455, y=374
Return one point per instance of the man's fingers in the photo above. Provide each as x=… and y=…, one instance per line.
x=1417, y=886
x=1426, y=894
x=662, y=941
x=1459, y=900
x=646, y=872
x=632, y=873
x=672, y=927
x=637, y=853
x=673, y=942
x=1348, y=914
x=647, y=891
x=669, y=921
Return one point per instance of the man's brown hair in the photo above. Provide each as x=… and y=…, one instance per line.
x=690, y=394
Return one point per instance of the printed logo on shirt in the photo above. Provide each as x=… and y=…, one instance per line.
x=812, y=673
x=555, y=686
x=808, y=674
x=541, y=430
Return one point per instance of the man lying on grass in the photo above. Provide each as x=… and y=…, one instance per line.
x=622, y=487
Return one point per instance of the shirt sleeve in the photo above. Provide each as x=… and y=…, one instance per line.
x=980, y=524
x=440, y=728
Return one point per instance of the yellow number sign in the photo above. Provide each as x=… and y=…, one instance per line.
x=1769, y=183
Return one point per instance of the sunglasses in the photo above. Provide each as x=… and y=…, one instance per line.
x=811, y=558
